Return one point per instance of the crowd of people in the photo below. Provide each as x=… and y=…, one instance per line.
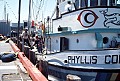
x=32, y=40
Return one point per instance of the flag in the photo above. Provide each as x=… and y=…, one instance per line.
x=33, y=25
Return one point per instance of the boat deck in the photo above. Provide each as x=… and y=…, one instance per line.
x=11, y=71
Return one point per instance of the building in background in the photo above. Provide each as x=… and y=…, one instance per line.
x=14, y=28
x=5, y=28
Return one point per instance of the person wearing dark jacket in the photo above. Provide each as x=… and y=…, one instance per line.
x=38, y=43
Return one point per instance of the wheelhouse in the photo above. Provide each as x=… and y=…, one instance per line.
x=89, y=3
x=80, y=4
x=94, y=3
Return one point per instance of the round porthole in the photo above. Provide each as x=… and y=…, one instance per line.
x=56, y=41
x=77, y=40
x=105, y=40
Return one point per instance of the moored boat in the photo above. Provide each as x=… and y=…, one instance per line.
x=84, y=40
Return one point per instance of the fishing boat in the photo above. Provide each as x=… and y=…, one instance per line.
x=84, y=40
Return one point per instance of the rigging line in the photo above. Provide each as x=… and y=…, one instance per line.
x=42, y=4
x=44, y=9
x=54, y=10
x=33, y=10
x=38, y=2
x=38, y=10
x=34, y=5
x=11, y=9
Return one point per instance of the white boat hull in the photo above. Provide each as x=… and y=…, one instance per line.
x=88, y=65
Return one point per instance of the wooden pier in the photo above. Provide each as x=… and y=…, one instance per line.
x=12, y=69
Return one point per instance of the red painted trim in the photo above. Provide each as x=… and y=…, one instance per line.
x=35, y=74
x=14, y=47
x=91, y=23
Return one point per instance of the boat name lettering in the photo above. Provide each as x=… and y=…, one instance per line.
x=112, y=59
x=103, y=59
x=82, y=59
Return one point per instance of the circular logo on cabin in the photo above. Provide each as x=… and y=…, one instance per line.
x=87, y=18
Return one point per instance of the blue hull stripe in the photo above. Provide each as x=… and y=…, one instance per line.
x=103, y=76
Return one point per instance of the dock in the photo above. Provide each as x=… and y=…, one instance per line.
x=11, y=71
x=20, y=69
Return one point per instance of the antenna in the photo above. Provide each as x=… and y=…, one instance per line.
x=7, y=18
x=4, y=10
x=29, y=17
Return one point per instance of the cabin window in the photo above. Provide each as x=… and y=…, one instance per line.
x=77, y=40
x=84, y=3
x=118, y=35
x=93, y=2
x=56, y=41
x=105, y=40
x=77, y=4
x=60, y=1
x=103, y=3
x=112, y=2
x=118, y=3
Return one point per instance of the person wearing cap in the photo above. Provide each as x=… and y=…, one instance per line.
x=68, y=6
x=26, y=37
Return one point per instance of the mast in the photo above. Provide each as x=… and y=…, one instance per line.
x=29, y=17
x=4, y=10
x=7, y=18
x=18, y=20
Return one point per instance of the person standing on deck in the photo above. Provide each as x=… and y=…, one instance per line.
x=68, y=7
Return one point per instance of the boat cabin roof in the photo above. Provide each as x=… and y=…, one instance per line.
x=62, y=5
x=91, y=3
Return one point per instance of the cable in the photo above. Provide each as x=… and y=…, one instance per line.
x=33, y=9
x=46, y=7
x=36, y=9
x=39, y=7
x=10, y=9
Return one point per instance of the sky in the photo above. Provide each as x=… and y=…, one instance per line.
x=12, y=9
